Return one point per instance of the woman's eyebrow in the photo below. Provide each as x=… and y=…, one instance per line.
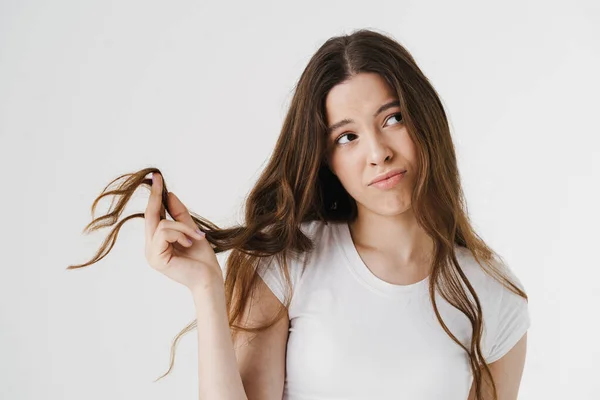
x=347, y=121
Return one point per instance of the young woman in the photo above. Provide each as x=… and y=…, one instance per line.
x=357, y=274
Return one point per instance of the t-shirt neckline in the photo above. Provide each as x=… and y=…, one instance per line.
x=363, y=273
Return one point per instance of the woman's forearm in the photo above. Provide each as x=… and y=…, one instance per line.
x=218, y=372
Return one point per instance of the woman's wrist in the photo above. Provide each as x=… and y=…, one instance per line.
x=208, y=287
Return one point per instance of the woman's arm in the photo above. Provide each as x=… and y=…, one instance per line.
x=218, y=373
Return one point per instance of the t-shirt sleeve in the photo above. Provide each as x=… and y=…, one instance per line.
x=511, y=323
x=270, y=271
x=273, y=276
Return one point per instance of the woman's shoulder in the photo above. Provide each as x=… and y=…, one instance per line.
x=476, y=273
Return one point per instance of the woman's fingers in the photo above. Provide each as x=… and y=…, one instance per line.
x=179, y=211
x=190, y=264
x=153, y=209
x=165, y=224
x=171, y=236
x=165, y=238
x=167, y=233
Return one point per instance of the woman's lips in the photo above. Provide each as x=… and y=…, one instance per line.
x=389, y=182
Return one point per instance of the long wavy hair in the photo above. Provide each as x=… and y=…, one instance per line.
x=296, y=186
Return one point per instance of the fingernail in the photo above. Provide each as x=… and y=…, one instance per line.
x=200, y=233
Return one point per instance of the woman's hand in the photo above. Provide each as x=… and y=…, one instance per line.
x=192, y=263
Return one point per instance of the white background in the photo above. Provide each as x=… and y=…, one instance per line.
x=90, y=90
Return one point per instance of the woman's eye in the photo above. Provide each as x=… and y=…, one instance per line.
x=341, y=136
x=399, y=115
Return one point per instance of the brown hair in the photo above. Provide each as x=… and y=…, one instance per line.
x=296, y=186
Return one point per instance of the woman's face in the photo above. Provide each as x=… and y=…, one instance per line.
x=371, y=145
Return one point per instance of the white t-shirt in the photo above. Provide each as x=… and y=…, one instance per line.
x=353, y=335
